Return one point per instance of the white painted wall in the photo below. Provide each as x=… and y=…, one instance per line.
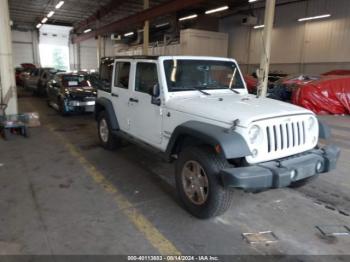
x=25, y=47
x=84, y=54
x=309, y=47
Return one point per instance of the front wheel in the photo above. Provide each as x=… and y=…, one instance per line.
x=62, y=107
x=107, y=139
x=303, y=182
x=198, y=183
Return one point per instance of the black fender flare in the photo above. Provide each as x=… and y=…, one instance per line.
x=324, y=130
x=104, y=104
x=232, y=144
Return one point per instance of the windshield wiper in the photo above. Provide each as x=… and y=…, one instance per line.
x=234, y=91
x=199, y=89
x=218, y=87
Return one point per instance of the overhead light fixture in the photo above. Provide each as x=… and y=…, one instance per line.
x=259, y=26
x=59, y=5
x=252, y=1
x=313, y=17
x=188, y=17
x=161, y=25
x=87, y=30
x=50, y=13
x=38, y=25
x=219, y=9
x=129, y=34
x=44, y=20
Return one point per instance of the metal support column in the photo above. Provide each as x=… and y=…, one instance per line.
x=8, y=89
x=145, y=30
x=263, y=71
x=99, y=50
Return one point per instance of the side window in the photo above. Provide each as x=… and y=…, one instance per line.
x=122, y=73
x=105, y=80
x=146, y=77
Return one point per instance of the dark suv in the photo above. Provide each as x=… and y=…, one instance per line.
x=71, y=92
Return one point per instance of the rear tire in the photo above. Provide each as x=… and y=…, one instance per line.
x=105, y=134
x=204, y=197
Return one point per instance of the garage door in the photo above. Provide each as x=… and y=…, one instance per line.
x=22, y=53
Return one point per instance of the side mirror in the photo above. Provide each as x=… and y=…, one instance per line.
x=155, y=92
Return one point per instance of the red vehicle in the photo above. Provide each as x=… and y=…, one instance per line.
x=22, y=72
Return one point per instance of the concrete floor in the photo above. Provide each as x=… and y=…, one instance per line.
x=60, y=193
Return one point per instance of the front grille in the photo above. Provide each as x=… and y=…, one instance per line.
x=285, y=136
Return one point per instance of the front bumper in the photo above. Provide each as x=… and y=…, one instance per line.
x=281, y=173
x=86, y=106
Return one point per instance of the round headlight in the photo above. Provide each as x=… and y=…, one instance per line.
x=311, y=123
x=253, y=133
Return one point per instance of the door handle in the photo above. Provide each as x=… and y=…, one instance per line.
x=116, y=95
x=133, y=100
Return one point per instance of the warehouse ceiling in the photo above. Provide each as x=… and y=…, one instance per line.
x=93, y=15
x=73, y=12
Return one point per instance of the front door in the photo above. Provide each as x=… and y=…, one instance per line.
x=146, y=118
x=33, y=79
x=121, y=93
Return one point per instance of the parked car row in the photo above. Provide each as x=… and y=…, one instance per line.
x=67, y=92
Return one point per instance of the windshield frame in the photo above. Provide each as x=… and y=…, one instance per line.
x=201, y=58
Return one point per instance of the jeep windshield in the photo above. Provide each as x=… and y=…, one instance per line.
x=188, y=75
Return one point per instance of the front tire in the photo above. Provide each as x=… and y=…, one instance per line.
x=61, y=107
x=303, y=182
x=107, y=139
x=198, y=183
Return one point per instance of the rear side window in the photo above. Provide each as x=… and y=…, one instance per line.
x=122, y=73
x=146, y=77
x=105, y=79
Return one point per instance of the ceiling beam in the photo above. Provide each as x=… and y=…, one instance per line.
x=140, y=17
x=104, y=10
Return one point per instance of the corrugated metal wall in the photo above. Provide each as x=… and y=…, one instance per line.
x=311, y=47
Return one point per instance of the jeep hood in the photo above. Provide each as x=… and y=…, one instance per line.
x=230, y=107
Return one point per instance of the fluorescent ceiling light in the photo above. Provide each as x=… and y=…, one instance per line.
x=129, y=34
x=38, y=25
x=259, y=26
x=219, y=9
x=44, y=20
x=161, y=25
x=87, y=30
x=188, y=17
x=252, y=1
x=50, y=13
x=60, y=3
x=314, y=17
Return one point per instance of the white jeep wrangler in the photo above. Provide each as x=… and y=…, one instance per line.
x=197, y=111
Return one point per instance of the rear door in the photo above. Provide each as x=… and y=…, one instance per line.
x=121, y=92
